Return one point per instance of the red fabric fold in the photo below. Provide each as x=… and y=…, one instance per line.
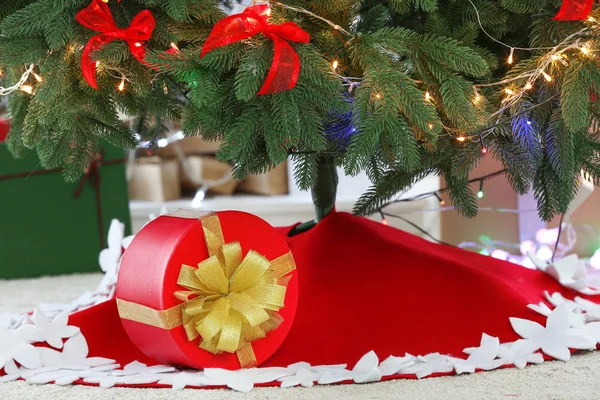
x=97, y=16
x=574, y=10
x=285, y=67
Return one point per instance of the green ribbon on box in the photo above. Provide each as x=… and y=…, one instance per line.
x=48, y=226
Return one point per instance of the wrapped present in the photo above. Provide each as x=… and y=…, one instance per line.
x=195, y=145
x=53, y=227
x=202, y=169
x=154, y=179
x=273, y=182
x=4, y=128
x=206, y=289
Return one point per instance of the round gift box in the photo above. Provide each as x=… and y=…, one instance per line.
x=148, y=280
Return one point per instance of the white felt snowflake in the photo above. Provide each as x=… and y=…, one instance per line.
x=569, y=272
x=576, y=319
x=482, y=357
x=109, y=258
x=305, y=377
x=74, y=353
x=430, y=364
x=135, y=373
x=557, y=337
x=392, y=365
x=592, y=310
x=53, y=332
x=66, y=375
x=366, y=370
x=15, y=345
x=180, y=380
x=520, y=353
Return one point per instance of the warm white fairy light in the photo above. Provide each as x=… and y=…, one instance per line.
x=121, y=86
x=174, y=46
x=334, y=65
x=509, y=91
x=137, y=44
x=4, y=91
x=585, y=50
x=546, y=76
x=528, y=86
x=36, y=76
x=378, y=96
x=427, y=96
x=476, y=99
x=27, y=89
x=430, y=126
x=461, y=138
x=510, y=56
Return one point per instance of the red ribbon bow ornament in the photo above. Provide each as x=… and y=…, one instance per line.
x=574, y=10
x=285, y=67
x=97, y=16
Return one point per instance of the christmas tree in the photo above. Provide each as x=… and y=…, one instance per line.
x=399, y=89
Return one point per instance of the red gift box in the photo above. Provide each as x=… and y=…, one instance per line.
x=181, y=325
x=4, y=128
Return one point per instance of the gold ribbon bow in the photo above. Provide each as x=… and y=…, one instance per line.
x=229, y=301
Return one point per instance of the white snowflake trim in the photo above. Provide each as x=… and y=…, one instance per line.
x=567, y=328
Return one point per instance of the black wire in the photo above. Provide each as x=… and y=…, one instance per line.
x=423, y=231
x=562, y=216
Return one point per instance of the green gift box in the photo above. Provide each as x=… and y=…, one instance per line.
x=51, y=227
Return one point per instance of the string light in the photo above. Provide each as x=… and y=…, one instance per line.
x=36, y=76
x=477, y=99
x=528, y=86
x=427, y=96
x=442, y=202
x=510, y=56
x=430, y=126
x=334, y=65
x=97, y=64
x=484, y=149
x=480, y=192
x=121, y=86
x=27, y=89
x=137, y=44
x=174, y=46
x=546, y=76
x=378, y=96
x=268, y=12
x=461, y=139
x=384, y=221
x=584, y=50
x=509, y=91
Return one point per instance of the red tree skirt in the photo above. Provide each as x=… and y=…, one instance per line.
x=367, y=286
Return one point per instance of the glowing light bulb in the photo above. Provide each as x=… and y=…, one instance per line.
x=527, y=246
x=427, y=96
x=121, y=86
x=510, y=59
x=268, y=12
x=528, y=86
x=36, y=76
x=337, y=27
x=442, y=202
x=591, y=19
x=461, y=138
x=384, y=221
x=546, y=76
x=334, y=65
x=544, y=253
x=585, y=50
x=137, y=44
x=27, y=89
x=484, y=150
x=500, y=254
x=174, y=46
x=477, y=99
x=200, y=195
x=430, y=126
x=480, y=194
x=509, y=91
x=378, y=96
x=547, y=236
x=162, y=143
x=97, y=64
x=554, y=57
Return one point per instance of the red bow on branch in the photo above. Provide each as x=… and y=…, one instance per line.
x=285, y=67
x=97, y=16
x=574, y=10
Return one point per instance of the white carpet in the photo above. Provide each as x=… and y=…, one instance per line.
x=577, y=379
